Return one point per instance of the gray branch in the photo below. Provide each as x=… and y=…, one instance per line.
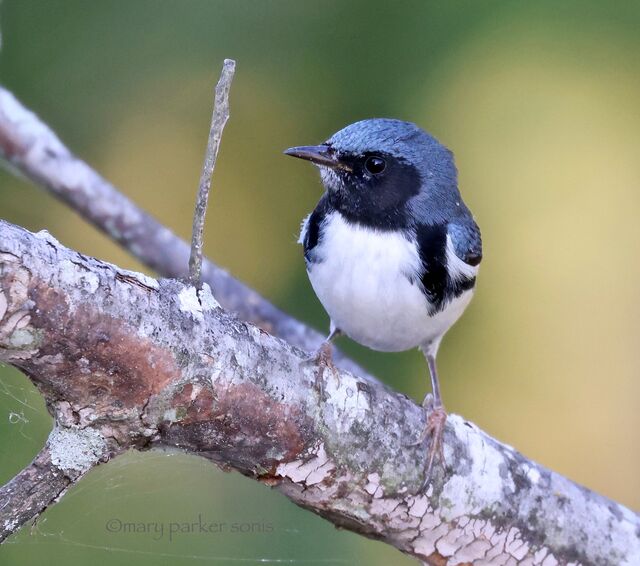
x=175, y=369
x=31, y=492
x=31, y=149
x=188, y=375
x=218, y=122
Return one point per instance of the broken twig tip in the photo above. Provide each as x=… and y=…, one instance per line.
x=218, y=122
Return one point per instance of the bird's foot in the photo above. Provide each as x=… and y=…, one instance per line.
x=436, y=418
x=323, y=357
x=323, y=360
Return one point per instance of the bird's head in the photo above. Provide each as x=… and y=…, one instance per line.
x=382, y=172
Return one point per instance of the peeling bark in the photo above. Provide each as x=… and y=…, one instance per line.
x=127, y=361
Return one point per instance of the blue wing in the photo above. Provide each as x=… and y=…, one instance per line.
x=439, y=283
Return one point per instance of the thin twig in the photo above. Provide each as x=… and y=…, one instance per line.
x=218, y=120
x=28, y=147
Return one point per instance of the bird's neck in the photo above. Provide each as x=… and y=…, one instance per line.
x=365, y=213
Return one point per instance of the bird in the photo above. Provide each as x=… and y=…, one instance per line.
x=391, y=250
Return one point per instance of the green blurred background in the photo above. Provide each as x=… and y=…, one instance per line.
x=540, y=103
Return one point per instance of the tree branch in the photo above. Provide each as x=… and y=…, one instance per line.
x=218, y=121
x=32, y=149
x=70, y=452
x=175, y=371
x=31, y=492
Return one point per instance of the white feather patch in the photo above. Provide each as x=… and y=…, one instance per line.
x=304, y=226
x=367, y=280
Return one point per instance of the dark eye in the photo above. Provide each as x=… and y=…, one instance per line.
x=375, y=165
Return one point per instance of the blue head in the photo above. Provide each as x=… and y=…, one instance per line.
x=386, y=174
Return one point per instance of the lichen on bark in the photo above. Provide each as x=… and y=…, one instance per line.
x=128, y=362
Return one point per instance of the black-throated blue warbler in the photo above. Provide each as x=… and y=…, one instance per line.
x=391, y=250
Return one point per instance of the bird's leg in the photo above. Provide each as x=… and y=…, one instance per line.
x=436, y=418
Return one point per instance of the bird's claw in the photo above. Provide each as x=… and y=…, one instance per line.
x=434, y=430
x=322, y=356
x=436, y=418
x=323, y=359
x=428, y=407
x=325, y=356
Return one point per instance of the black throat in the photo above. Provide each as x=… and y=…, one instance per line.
x=375, y=201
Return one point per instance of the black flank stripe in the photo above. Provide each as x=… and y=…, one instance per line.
x=438, y=286
x=313, y=234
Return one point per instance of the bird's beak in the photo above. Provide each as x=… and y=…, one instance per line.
x=318, y=154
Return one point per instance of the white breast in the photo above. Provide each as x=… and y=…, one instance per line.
x=367, y=280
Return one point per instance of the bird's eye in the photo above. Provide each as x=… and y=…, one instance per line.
x=375, y=165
